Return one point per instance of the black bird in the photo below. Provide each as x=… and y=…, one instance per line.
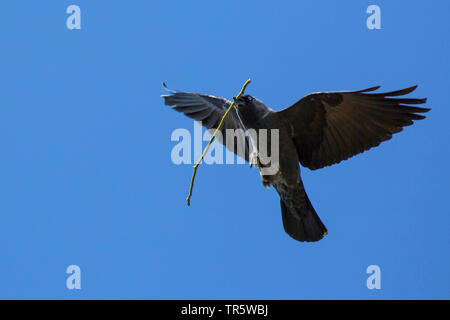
x=319, y=130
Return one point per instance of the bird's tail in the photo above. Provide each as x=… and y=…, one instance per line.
x=300, y=220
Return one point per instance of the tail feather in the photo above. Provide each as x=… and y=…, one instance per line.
x=301, y=222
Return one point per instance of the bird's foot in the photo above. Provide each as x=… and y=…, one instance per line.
x=266, y=182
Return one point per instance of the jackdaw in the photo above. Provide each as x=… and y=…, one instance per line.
x=319, y=130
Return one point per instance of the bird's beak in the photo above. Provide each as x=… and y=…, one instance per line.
x=238, y=101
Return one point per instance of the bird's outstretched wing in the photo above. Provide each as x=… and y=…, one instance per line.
x=329, y=127
x=210, y=110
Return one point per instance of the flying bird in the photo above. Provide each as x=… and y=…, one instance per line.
x=319, y=130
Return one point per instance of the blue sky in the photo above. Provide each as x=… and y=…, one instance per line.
x=87, y=178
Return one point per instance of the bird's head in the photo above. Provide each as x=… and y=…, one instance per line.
x=244, y=101
x=248, y=104
x=250, y=108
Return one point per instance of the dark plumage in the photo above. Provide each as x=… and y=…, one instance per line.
x=319, y=130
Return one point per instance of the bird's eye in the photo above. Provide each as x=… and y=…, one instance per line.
x=245, y=99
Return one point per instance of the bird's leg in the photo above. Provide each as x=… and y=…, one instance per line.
x=266, y=183
x=265, y=179
x=253, y=158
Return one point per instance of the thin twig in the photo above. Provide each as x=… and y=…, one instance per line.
x=188, y=199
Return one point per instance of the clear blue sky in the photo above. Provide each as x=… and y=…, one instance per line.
x=86, y=176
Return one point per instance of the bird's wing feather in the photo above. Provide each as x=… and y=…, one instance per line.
x=329, y=127
x=209, y=110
